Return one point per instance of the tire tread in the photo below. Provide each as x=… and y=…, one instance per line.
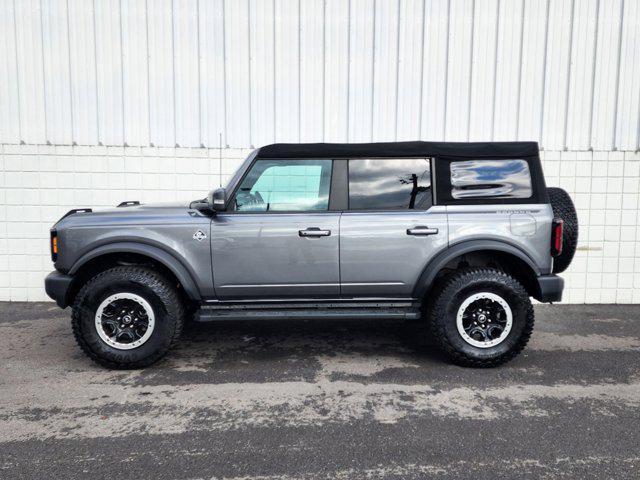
x=159, y=284
x=437, y=315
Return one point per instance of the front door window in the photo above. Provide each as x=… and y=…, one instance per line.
x=285, y=186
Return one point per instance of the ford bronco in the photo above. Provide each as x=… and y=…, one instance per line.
x=456, y=235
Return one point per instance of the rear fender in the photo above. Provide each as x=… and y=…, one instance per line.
x=438, y=262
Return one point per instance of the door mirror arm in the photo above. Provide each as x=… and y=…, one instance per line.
x=203, y=207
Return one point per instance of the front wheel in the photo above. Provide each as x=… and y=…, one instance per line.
x=480, y=317
x=127, y=317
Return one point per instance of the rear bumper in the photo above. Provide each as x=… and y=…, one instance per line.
x=549, y=288
x=57, y=286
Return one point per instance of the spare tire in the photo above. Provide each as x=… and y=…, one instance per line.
x=563, y=208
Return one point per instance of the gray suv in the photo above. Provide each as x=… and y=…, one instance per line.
x=456, y=235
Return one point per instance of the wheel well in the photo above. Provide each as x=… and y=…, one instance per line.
x=109, y=260
x=508, y=263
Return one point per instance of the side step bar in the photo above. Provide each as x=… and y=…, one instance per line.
x=214, y=315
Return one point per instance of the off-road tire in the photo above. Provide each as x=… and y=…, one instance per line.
x=145, y=282
x=451, y=292
x=564, y=208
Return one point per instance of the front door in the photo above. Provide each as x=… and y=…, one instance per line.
x=390, y=230
x=278, y=238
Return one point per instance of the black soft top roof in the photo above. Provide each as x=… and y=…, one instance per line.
x=400, y=149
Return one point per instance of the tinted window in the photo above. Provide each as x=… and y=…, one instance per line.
x=490, y=178
x=285, y=185
x=389, y=184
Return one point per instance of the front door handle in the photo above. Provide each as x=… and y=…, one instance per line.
x=314, y=232
x=420, y=230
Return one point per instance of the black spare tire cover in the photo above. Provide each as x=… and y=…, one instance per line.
x=563, y=208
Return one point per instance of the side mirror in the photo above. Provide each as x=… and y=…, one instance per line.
x=217, y=199
x=215, y=202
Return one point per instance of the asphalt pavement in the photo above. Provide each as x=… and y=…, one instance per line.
x=323, y=400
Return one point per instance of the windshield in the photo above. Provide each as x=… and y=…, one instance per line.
x=237, y=175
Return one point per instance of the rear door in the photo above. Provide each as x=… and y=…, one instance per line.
x=390, y=230
x=279, y=238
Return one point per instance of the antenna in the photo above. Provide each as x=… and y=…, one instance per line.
x=220, y=158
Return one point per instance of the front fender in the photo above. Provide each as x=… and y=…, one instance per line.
x=165, y=258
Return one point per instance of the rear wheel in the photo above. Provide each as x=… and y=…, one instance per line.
x=127, y=317
x=480, y=317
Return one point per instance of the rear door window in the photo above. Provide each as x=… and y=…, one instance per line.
x=471, y=179
x=389, y=184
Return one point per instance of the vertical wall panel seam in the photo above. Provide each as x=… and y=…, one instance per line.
x=201, y=141
x=73, y=142
x=44, y=77
x=348, y=68
x=373, y=69
x=146, y=13
x=395, y=127
x=95, y=54
x=521, y=57
x=637, y=128
x=224, y=81
x=17, y=69
x=593, y=75
x=124, y=119
x=250, y=99
x=421, y=92
x=446, y=73
x=299, y=70
x=275, y=72
x=544, y=73
x=173, y=77
x=617, y=86
x=569, y=69
x=470, y=87
x=495, y=72
x=324, y=65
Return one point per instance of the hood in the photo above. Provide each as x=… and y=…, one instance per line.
x=128, y=213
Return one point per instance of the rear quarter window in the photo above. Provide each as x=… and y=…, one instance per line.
x=486, y=179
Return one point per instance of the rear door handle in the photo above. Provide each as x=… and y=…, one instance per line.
x=420, y=230
x=314, y=232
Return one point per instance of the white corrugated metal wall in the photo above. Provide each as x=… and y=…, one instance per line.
x=184, y=72
x=157, y=99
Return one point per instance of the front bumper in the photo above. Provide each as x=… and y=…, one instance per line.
x=549, y=288
x=57, y=286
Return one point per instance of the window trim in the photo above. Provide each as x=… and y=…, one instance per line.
x=230, y=211
x=429, y=160
x=443, y=174
x=474, y=188
x=338, y=188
